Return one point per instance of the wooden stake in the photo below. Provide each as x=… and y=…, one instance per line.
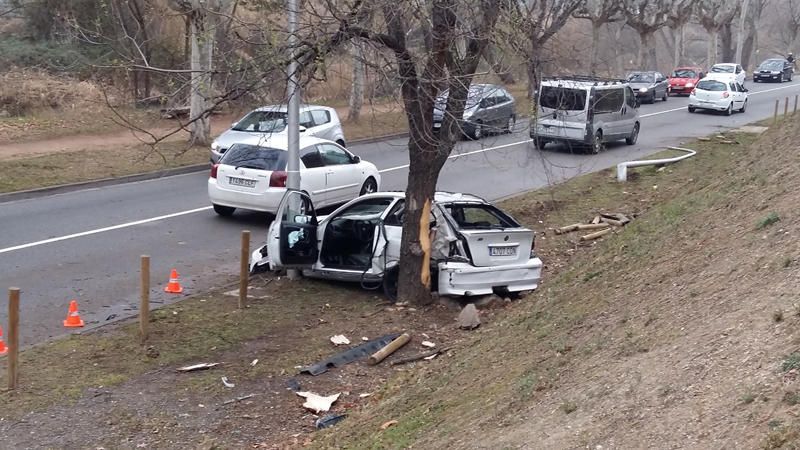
x=795, y=104
x=413, y=358
x=786, y=106
x=244, y=269
x=775, y=116
x=144, y=299
x=593, y=226
x=595, y=235
x=13, y=337
x=390, y=348
x=568, y=228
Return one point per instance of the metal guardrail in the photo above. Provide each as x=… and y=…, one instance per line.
x=622, y=168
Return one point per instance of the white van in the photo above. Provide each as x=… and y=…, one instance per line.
x=585, y=112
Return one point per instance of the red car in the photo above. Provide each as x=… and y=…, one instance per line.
x=684, y=79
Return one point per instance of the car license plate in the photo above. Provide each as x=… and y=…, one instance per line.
x=241, y=182
x=502, y=251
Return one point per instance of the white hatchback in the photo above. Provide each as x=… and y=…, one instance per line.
x=732, y=70
x=718, y=93
x=253, y=177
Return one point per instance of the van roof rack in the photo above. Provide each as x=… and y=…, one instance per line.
x=598, y=81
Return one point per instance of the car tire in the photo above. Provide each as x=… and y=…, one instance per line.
x=780, y=80
x=790, y=78
x=631, y=140
x=666, y=95
x=389, y=283
x=539, y=143
x=744, y=107
x=369, y=186
x=729, y=111
x=652, y=98
x=224, y=211
x=691, y=109
x=477, y=131
x=597, y=143
x=512, y=120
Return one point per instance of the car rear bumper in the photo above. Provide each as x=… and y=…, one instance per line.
x=680, y=89
x=575, y=134
x=266, y=201
x=459, y=278
x=714, y=105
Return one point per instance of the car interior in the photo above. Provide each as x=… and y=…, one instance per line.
x=349, y=237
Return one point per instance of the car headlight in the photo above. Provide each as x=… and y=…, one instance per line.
x=642, y=89
x=214, y=146
x=689, y=84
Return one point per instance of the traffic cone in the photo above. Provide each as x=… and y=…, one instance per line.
x=174, y=286
x=73, y=319
x=3, y=348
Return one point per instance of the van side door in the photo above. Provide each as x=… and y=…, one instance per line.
x=608, y=106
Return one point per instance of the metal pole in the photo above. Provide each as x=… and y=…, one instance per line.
x=244, y=268
x=13, y=337
x=144, y=300
x=293, y=164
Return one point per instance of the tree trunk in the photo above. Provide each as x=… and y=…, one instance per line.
x=202, y=51
x=727, y=43
x=595, y=49
x=740, y=34
x=357, y=86
x=503, y=72
x=680, y=34
x=647, y=51
x=711, y=56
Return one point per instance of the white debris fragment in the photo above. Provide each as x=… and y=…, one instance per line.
x=428, y=358
x=227, y=383
x=365, y=395
x=201, y=366
x=364, y=338
x=253, y=364
x=318, y=403
x=340, y=339
x=428, y=344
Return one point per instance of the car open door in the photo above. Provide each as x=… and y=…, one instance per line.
x=292, y=237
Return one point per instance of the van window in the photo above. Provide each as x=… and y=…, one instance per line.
x=608, y=100
x=562, y=98
x=630, y=97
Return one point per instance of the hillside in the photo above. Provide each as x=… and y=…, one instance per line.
x=677, y=332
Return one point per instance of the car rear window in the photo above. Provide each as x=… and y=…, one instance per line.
x=476, y=216
x=722, y=69
x=710, y=85
x=562, y=98
x=255, y=157
x=262, y=122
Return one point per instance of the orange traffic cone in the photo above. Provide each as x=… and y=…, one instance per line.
x=3, y=348
x=73, y=319
x=174, y=286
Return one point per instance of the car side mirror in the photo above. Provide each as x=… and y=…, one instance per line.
x=356, y=159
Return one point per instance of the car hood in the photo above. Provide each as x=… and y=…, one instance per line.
x=230, y=137
x=636, y=86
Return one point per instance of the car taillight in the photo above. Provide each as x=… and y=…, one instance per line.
x=725, y=94
x=214, y=170
x=277, y=179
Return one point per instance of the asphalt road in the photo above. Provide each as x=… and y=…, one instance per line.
x=85, y=245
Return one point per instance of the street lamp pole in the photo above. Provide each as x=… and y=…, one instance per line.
x=293, y=162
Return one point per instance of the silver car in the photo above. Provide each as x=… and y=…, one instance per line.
x=489, y=108
x=476, y=248
x=258, y=125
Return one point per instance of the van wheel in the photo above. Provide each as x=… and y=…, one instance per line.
x=597, y=143
x=539, y=143
x=224, y=211
x=631, y=140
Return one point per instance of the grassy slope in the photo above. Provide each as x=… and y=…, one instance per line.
x=673, y=333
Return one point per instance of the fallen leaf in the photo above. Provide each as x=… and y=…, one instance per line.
x=388, y=424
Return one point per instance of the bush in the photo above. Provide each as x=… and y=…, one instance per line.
x=46, y=55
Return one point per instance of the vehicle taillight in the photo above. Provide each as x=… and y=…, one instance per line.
x=725, y=94
x=277, y=179
x=214, y=170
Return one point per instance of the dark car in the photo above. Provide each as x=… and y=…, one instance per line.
x=489, y=108
x=774, y=69
x=649, y=86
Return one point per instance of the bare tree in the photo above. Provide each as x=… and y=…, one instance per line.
x=680, y=13
x=714, y=15
x=647, y=17
x=790, y=29
x=752, y=17
x=598, y=13
x=357, y=83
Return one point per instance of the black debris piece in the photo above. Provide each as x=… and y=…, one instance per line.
x=354, y=354
x=329, y=420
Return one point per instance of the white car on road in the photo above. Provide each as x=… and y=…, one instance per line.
x=718, y=93
x=732, y=70
x=253, y=177
x=476, y=248
x=260, y=124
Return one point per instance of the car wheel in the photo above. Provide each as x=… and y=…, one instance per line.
x=790, y=78
x=341, y=143
x=652, y=98
x=631, y=140
x=780, y=79
x=477, y=131
x=729, y=111
x=664, y=98
x=510, y=125
x=224, y=211
x=370, y=186
x=390, y=283
x=691, y=109
x=539, y=143
x=744, y=107
x=597, y=143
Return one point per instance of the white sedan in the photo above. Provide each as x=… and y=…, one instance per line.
x=730, y=69
x=253, y=177
x=718, y=93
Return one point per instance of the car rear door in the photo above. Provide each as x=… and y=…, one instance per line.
x=342, y=174
x=323, y=127
x=292, y=237
x=312, y=177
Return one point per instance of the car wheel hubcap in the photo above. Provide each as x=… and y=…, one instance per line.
x=478, y=131
x=510, y=124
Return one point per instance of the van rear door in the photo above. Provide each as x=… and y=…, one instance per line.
x=562, y=113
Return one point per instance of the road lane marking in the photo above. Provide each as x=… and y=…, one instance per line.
x=102, y=230
x=459, y=155
x=642, y=116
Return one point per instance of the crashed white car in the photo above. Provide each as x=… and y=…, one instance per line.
x=477, y=249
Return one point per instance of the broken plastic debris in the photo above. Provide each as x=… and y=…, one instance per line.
x=364, y=395
x=253, y=364
x=201, y=366
x=329, y=420
x=428, y=344
x=364, y=338
x=318, y=403
x=428, y=358
x=227, y=383
x=340, y=339
x=353, y=354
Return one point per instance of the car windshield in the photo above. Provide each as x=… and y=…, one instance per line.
x=722, y=69
x=684, y=73
x=479, y=216
x=366, y=207
x=771, y=65
x=641, y=78
x=473, y=97
x=711, y=85
x=254, y=157
x=263, y=122
x=562, y=98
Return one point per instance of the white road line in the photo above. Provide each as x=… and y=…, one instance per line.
x=102, y=230
x=683, y=107
x=459, y=155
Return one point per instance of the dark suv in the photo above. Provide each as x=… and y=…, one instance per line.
x=774, y=69
x=489, y=108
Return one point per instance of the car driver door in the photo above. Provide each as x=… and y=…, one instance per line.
x=292, y=237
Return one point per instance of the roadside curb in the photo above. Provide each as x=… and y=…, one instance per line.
x=70, y=187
